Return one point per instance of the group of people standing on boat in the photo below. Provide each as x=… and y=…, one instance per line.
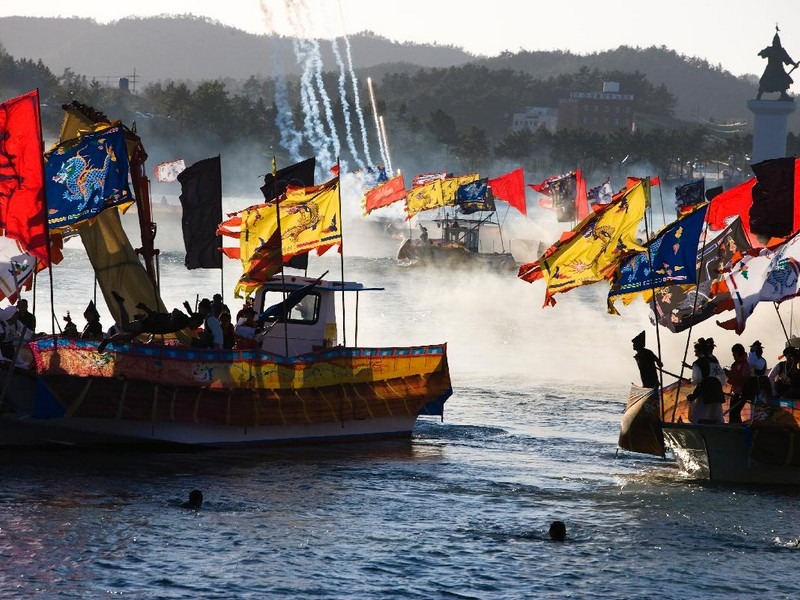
x=749, y=378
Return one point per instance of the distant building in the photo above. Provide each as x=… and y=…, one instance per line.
x=599, y=112
x=534, y=117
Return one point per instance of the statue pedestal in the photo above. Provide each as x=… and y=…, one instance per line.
x=769, y=128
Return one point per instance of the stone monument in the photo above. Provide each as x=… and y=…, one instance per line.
x=769, y=126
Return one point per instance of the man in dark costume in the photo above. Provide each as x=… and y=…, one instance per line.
x=775, y=78
x=152, y=322
x=647, y=362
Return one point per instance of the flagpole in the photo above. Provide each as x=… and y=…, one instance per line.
x=653, y=302
x=280, y=249
x=341, y=249
x=46, y=220
x=694, y=310
x=221, y=261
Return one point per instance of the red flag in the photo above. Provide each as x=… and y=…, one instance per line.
x=511, y=188
x=730, y=203
x=581, y=201
x=22, y=207
x=383, y=195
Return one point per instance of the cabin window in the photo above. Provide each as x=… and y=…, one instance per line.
x=305, y=312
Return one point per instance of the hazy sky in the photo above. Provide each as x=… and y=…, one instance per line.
x=725, y=32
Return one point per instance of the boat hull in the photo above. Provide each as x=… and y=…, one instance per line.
x=731, y=453
x=164, y=395
x=450, y=256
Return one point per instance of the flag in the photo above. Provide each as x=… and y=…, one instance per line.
x=201, y=198
x=450, y=186
x=426, y=178
x=770, y=276
x=592, y=250
x=87, y=175
x=560, y=194
x=260, y=266
x=581, y=199
x=424, y=197
x=310, y=218
x=679, y=307
x=731, y=203
x=775, y=212
x=299, y=174
x=474, y=197
x=384, y=195
x=16, y=269
x=689, y=195
x=510, y=188
x=167, y=172
x=669, y=259
x=22, y=204
x=602, y=194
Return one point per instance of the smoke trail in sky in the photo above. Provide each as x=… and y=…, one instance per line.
x=312, y=123
x=377, y=121
x=351, y=144
x=291, y=139
x=386, y=147
x=316, y=62
x=357, y=99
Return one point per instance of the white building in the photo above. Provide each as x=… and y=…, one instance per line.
x=535, y=117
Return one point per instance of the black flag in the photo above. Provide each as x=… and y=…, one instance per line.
x=201, y=198
x=299, y=174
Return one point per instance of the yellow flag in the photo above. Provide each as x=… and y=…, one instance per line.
x=258, y=224
x=310, y=218
x=450, y=186
x=424, y=197
x=594, y=247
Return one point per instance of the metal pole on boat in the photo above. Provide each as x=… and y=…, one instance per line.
x=341, y=252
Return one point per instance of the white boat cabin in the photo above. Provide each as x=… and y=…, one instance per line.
x=311, y=323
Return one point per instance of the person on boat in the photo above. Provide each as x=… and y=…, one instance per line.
x=245, y=331
x=150, y=321
x=24, y=316
x=211, y=336
x=423, y=236
x=785, y=376
x=557, y=531
x=70, y=329
x=93, y=329
x=12, y=332
x=195, y=500
x=647, y=361
x=218, y=306
x=739, y=375
x=758, y=363
x=707, y=398
x=228, y=336
x=775, y=78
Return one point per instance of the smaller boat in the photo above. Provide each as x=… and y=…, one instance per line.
x=460, y=245
x=763, y=449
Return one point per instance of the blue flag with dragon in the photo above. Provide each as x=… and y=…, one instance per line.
x=86, y=176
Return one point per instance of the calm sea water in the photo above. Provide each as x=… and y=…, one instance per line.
x=459, y=511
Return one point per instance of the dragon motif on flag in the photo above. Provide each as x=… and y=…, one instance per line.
x=81, y=181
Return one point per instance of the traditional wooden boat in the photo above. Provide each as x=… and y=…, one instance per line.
x=300, y=382
x=140, y=393
x=763, y=449
x=460, y=245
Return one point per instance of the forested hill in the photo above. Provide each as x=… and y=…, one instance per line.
x=194, y=49
x=187, y=48
x=703, y=91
